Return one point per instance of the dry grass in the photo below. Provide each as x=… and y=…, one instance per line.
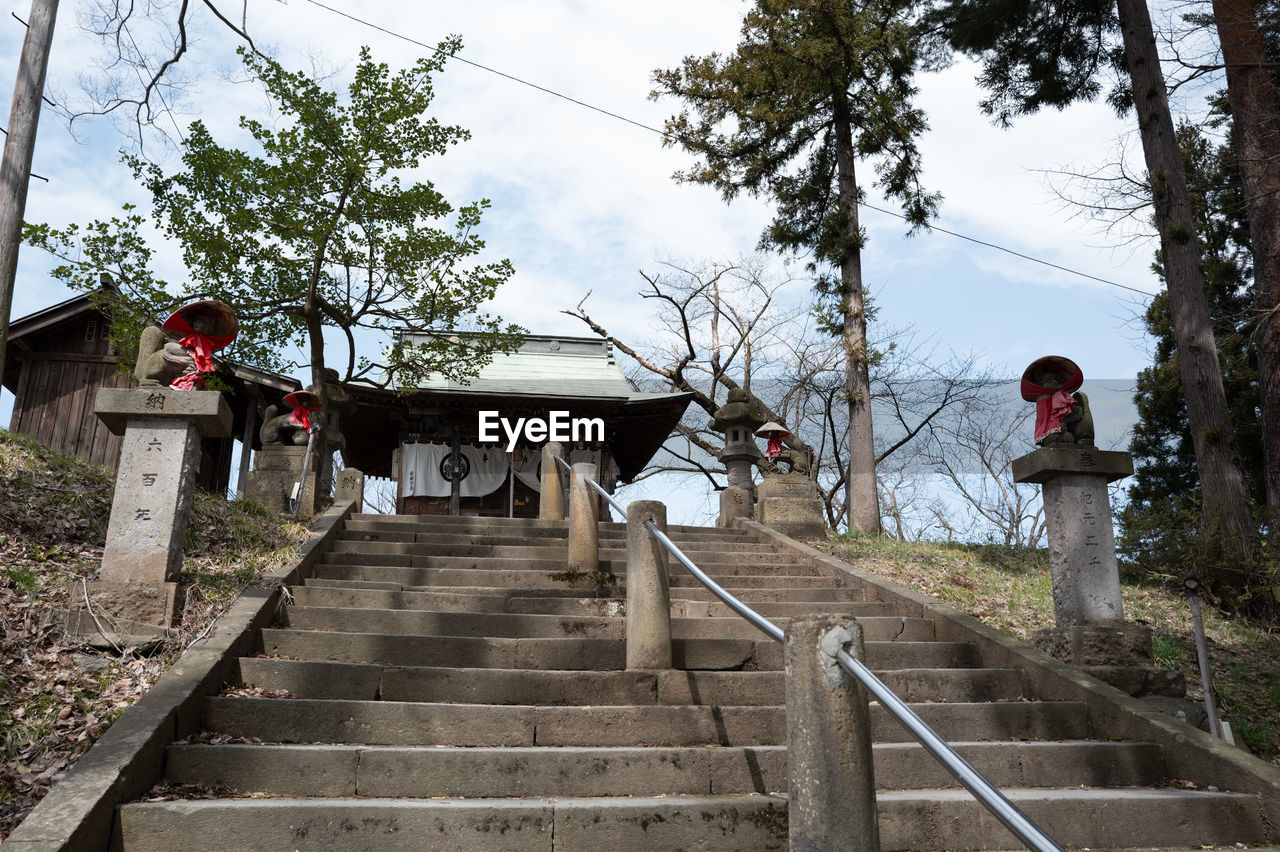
x=1010, y=590
x=56, y=699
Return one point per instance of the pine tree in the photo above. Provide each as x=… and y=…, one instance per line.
x=813, y=87
x=1158, y=523
x=1037, y=54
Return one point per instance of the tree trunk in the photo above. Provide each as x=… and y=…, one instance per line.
x=863, y=504
x=1253, y=107
x=1225, y=506
x=19, y=147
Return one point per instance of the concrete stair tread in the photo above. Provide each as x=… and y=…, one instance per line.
x=691, y=593
x=427, y=723
x=552, y=574
x=399, y=649
x=394, y=771
x=392, y=596
x=524, y=625
x=752, y=821
x=368, y=682
x=738, y=822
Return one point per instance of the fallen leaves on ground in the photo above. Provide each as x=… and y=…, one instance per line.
x=57, y=698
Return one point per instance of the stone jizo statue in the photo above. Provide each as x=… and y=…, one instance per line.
x=201, y=329
x=1062, y=413
x=295, y=426
x=797, y=461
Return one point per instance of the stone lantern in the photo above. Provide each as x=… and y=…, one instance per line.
x=737, y=419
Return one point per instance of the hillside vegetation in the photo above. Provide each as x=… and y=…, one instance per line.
x=1010, y=590
x=57, y=698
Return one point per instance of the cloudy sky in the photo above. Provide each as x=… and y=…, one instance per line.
x=581, y=200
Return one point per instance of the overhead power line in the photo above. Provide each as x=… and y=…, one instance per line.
x=666, y=135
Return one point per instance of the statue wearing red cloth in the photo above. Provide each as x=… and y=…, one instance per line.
x=1062, y=417
x=201, y=329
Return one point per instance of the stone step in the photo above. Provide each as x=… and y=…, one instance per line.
x=397, y=772
x=922, y=820
x=367, y=682
x=577, y=654
x=549, y=560
x=484, y=591
x=728, y=824
x=375, y=598
x=860, y=609
x=418, y=622
x=427, y=724
x=407, y=542
x=754, y=596
x=518, y=526
x=532, y=575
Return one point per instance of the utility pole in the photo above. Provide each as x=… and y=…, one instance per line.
x=19, y=145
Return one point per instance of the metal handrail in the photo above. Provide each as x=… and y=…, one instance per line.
x=983, y=790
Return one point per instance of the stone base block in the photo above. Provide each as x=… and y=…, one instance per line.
x=1120, y=656
x=735, y=502
x=126, y=607
x=1141, y=681
x=789, y=503
x=276, y=468
x=1096, y=646
x=115, y=633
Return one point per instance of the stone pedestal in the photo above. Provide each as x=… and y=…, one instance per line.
x=1120, y=656
x=276, y=469
x=735, y=502
x=1087, y=604
x=158, y=459
x=789, y=503
x=1082, y=548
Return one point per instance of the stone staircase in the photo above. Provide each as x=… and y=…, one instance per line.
x=447, y=685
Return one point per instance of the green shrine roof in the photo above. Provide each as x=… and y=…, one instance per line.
x=551, y=366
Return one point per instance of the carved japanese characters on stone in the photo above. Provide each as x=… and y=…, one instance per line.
x=200, y=329
x=1062, y=412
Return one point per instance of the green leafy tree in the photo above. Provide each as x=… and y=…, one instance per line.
x=1037, y=54
x=813, y=87
x=314, y=229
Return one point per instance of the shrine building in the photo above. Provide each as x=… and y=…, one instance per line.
x=572, y=381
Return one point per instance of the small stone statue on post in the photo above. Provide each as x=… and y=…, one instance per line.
x=162, y=423
x=789, y=502
x=285, y=477
x=1074, y=475
x=201, y=329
